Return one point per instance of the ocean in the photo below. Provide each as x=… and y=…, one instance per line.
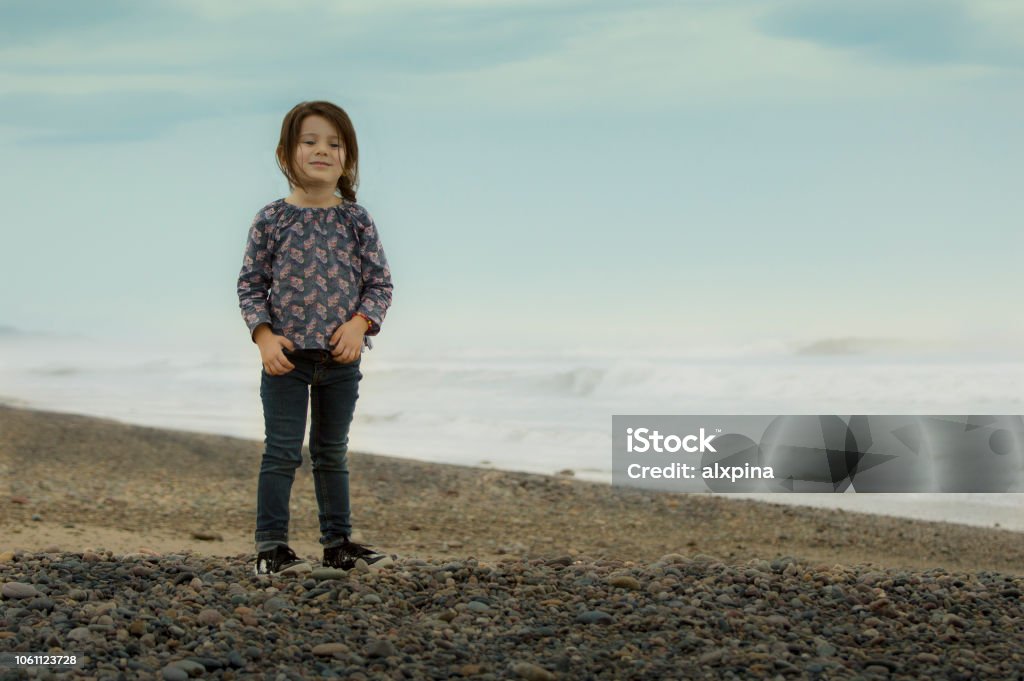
x=540, y=413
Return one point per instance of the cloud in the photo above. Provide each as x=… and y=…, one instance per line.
x=27, y=22
x=921, y=32
x=121, y=116
x=104, y=74
x=290, y=40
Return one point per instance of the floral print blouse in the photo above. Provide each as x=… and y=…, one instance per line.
x=308, y=270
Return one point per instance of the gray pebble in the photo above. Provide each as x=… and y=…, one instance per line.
x=174, y=673
x=80, y=634
x=18, y=590
x=41, y=603
x=531, y=672
x=274, y=604
x=190, y=667
x=380, y=648
x=209, y=617
x=322, y=573
x=594, y=617
x=405, y=624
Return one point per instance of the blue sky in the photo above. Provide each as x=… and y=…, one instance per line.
x=624, y=177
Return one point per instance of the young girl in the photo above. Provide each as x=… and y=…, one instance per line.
x=314, y=285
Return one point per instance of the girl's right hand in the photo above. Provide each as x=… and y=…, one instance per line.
x=274, y=361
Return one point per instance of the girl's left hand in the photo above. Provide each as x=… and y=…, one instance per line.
x=347, y=340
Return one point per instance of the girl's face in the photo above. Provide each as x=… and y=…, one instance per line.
x=319, y=156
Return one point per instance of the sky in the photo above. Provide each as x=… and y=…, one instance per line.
x=621, y=177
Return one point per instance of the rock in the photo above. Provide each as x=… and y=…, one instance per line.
x=328, y=573
x=80, y=634
x=330, y=649
x=711, y=657
x=297, y=569
x=625, y=582
x=594, y=617
x=15, y=590
x=174, y=673
x=209, y=617
x=274, y=604
x=41, y=603
x=381, y=648
x=477, y=606
x=531, y=672
x=207, y=662
x=190, y=667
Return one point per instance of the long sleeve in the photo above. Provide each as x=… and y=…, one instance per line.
x=376, y=287
x=255, y=278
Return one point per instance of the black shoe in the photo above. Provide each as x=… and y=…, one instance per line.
x=345, y=555
x=279, y=559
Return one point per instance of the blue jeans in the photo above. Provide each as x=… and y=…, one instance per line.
x=334, y=388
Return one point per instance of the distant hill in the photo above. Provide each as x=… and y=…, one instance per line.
x=855, y=346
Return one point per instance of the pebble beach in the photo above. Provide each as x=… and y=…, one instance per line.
x=132, y=547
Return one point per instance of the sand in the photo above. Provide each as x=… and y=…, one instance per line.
x=75, y=482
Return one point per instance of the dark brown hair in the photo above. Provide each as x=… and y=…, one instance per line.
x=290, y=127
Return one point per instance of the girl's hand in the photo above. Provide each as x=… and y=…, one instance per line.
x=274, y=361
x=347, y=340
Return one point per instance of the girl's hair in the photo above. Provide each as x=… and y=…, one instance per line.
x=290, y=127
